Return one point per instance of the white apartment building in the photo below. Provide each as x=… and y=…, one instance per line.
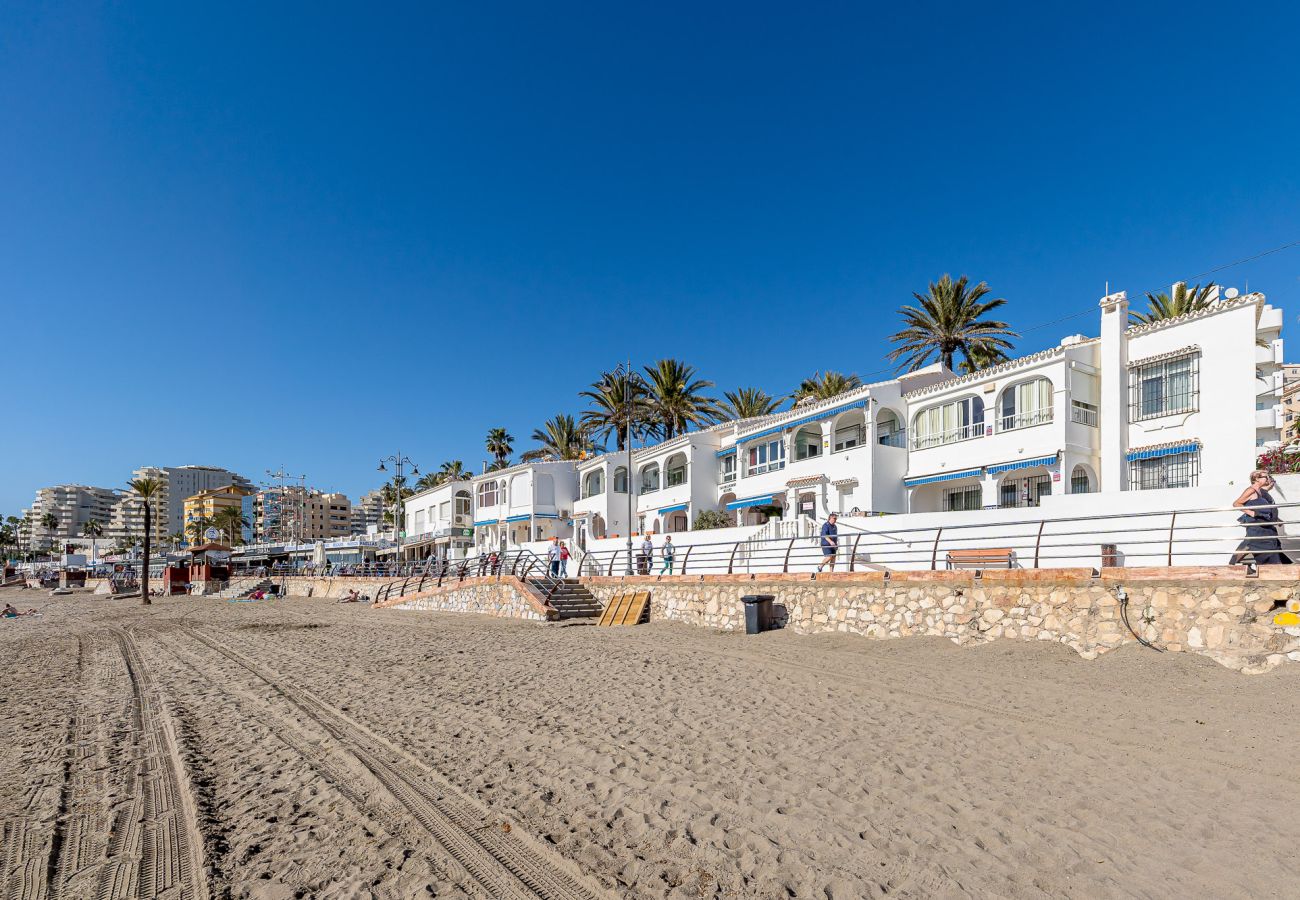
x=74, y=505
x=836, y=455
x=368, y=512
x=439, y=521
x=1185, y=402
x=527, y=502
x=178, y=483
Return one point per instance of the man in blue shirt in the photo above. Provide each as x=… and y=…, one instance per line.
x=830, y=543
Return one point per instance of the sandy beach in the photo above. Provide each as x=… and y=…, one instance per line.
x=304, y=748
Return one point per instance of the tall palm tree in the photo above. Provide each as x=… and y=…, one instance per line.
x=428, y=480
x=560, y=438
x=232, y=522
x=982, y=356
x=501, y=444
x=498, y=464
x=675, y=398
x=825, y=386
x=747, y=403
x=389, y=495
x=50, y=522
x=1185, y=300
x=949, y=320
x=617, y=398
x=93, y=530
x=454, y=470
x=147, y=490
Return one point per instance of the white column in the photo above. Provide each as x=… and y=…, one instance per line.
x=989, y=488
x=1113, y=389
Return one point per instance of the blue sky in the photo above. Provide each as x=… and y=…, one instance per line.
x=308, y=236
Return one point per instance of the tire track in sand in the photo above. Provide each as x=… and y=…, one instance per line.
x=155, y=846
x=504, y=865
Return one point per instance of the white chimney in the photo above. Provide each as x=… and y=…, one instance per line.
x=1113, y=437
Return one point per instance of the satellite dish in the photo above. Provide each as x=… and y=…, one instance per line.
x=1231, y=293
x=212, y=534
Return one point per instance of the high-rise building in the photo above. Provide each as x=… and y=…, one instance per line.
x=178, y=482
x=205, y=505
x=1290, y=400
x=295, y=513
x=74, y=505
x=367, y=511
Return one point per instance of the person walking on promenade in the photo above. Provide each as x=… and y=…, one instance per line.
x=668, y=552
x=564, y=560
x=830, y=543
x=1259, y=515
x=553, y=557
x=647, y=555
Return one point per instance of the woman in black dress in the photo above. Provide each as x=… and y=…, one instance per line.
x=1259, y=514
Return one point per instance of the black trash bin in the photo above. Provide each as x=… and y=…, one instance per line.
x=758, y=612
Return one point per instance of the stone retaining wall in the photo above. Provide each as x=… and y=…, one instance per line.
x=1217, y=612
x=508, y=597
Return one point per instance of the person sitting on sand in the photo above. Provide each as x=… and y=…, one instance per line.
x=9, y=612
x=352, y=597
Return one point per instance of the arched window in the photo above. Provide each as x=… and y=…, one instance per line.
x=808, y=442
x=675, y=470
x=649, y=478
x=593, y=484
x=1025, y=404
x=488, y=494
x=462, y=504
x=948, y=423
x=1079, y=481
x=620, y=480
x=889, y=429
x=850, y=430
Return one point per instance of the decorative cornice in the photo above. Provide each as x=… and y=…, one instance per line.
x=806, y=481
x=1212, y=309
x=1161, y=357
x=1166, y=445
x=991, y=372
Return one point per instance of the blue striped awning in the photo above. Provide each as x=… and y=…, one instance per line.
x=803, y=420
x=946, y=476
x=522, y=517
x=486, y=522
x=765, y=500
x=1023, y=464
x=680, y=507
x=545, y=516
x=727, y=452
x=1152, y=453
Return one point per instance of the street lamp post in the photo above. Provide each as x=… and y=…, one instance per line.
x=398, y=461
x=628, y=375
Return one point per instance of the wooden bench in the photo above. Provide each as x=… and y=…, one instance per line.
x=981, y=559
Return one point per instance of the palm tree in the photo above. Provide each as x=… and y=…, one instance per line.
x=1185, y=300
x=232, y=522
x=948, y=321
x=560, y=438
x=675, y=398
x=176, y=538
x=93, y=530
x=196, y=526
x=147, y=490
x=498, y=464
x=428, y=480
x=500, y=444
x=616, y=399
x=389, y=494
x=748, y=403
x=824, y=387
x=50, y=522
x=982, y=356
x=454, y=470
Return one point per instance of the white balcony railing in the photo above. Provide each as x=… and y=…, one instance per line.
x=1083, y=413
x=1026, y=419
x=964, y=433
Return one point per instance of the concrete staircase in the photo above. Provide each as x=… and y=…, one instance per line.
x=242, y=587
x=571, y=599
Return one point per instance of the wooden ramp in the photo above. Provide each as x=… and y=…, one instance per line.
x=626, y=608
